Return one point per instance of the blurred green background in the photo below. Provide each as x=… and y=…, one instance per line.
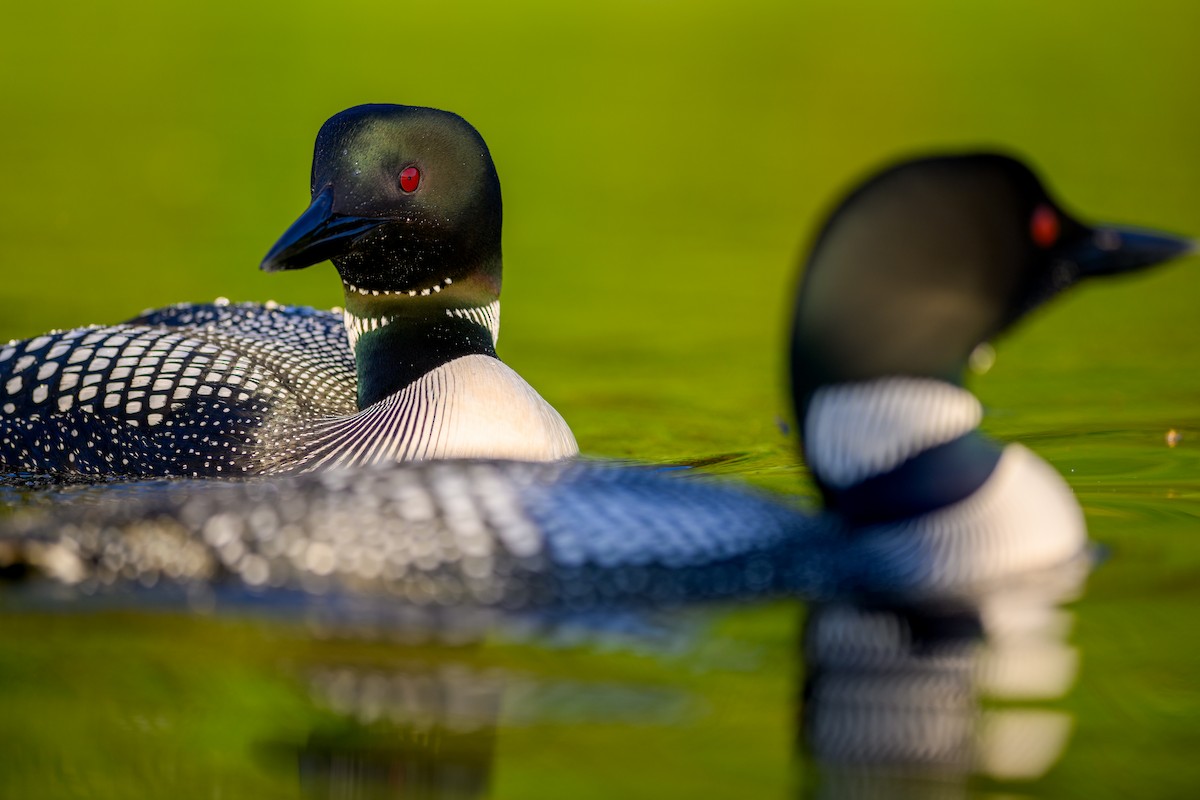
x=664, y=164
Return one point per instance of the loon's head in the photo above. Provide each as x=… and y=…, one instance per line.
x=913, y=271
x=406, y=203
x=932, y=257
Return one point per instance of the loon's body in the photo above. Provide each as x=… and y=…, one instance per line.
x=407, y=205
x=917, y=501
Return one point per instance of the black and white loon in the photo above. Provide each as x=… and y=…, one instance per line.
x=913, y=271
x=916, y=269
x=406, y=203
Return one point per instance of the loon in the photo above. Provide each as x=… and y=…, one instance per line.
x=916, y=269
x=406, y=203
x=913, y=271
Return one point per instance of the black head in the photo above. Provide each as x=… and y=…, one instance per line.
x=404, y=198
x=932, y=257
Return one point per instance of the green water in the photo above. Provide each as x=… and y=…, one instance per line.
x=663, y=165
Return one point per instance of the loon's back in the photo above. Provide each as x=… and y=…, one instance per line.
x=187, y=390
x=225, y=390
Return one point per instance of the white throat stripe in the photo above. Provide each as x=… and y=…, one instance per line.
x=854, y=431
x=485, y=316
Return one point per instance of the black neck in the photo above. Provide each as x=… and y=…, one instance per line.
x=398, y=353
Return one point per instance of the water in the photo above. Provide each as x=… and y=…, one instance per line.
x=662, y=167
x=1009, y=692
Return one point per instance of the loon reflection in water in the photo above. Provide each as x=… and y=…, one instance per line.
x=893, y=699
x=431, y=727
x=896, y=701
x=914, y=702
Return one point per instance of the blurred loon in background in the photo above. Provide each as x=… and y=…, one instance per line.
x=406, y=203
x=916, y=268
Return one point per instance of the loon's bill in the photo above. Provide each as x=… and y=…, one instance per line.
x=318, y=235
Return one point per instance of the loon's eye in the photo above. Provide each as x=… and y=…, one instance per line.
x=1044, y=226
x=410, y=179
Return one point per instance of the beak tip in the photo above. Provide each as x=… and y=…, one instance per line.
x=1126, y=249
x=279, y=258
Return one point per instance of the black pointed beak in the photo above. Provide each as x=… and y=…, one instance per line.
x=317, y=236
x=1112, y=250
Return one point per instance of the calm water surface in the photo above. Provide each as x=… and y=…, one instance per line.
x=1018, y=696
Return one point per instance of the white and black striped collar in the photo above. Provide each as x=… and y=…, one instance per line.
x=896, y=447
x=485, y=316
x=854, y=431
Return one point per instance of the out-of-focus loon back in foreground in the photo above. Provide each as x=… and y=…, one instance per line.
x=507, y=534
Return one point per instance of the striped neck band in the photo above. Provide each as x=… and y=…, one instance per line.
x=854, y=431
x=487, y=317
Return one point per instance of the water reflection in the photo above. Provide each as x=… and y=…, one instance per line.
x=916, y=701
x=436, y=763
x=425, y=732
x=429, y=729
x=932, y=700
x=465, y=699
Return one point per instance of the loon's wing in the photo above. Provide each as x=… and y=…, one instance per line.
x=515, y=535
x=512, y=535
x=319, y=333
x=159, y=396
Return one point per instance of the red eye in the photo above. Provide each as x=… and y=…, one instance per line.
x=1044, y=226
x=410, y=179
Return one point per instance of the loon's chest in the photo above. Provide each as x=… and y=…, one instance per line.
x=471, y=407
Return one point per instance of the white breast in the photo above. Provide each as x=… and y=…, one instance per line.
x=472, y=407
x=1023, y=520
